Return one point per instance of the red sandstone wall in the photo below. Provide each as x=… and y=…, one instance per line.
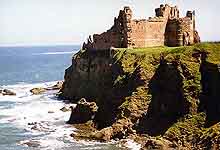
x=147, y=33
x=177, y=30
x=164, y=29
x=171, y=33
x=107, y=40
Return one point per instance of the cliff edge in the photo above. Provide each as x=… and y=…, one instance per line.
x=162, y=97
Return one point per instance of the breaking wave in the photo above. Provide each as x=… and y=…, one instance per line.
x=36, y=122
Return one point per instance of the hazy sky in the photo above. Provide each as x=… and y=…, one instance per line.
x=34, y=22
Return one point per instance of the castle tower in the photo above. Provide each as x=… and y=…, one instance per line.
x=163, y=11
x=174, y=13
x=167, y=12
x=127, y=19
x=191, y=15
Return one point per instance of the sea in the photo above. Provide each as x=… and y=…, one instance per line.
x=35, y=122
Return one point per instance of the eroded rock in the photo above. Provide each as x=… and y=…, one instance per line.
x=103, y=135
x=40, y=90
x=118, y=130
x=57, y=86
x=7, y=92
x=83, y=112
x=31, y=143
x=65, y=109
x=51, y=112
x=158, y=144
x=37, y=91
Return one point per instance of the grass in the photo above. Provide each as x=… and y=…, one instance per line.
x=187, y=128
x=185, y=51
x=137, y=67
x=191, y=127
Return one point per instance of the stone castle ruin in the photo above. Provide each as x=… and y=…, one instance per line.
x=166, y=28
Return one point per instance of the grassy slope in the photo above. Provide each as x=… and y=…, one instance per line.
x=188, y=129
x=184, y=51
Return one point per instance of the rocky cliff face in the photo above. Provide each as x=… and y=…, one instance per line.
x=88, y=76
x=153, y=91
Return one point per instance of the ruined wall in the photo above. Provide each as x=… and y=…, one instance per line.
x=117, y=36
x=166, y=28
x=111, y=38
x=106, y=40
x=146, y=33
x=167, y=12
x=179, y=32
x=152, y=32
x=171, y=33
x=184, y=31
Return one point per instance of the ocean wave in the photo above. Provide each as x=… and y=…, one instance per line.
x=22, y=90
x=25, y=85
x=40, y=117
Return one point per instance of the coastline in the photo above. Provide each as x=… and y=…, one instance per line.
x=119, y=82
x=40, y=120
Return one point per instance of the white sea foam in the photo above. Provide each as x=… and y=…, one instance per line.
x=37, y=114
x=130, y=144
x=40, y=116
x=22, y=90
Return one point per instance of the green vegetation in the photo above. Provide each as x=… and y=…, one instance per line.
x=187, y=129
x=191, y=127
x=184, y=51
x=148, y=59
x=127, y=87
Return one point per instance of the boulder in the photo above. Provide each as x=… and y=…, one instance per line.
x=83, y=112
x=41, y=90
x=31, y=143
x=37, y=91
x=159, y=144
x=57, y=86
x=32, y=123
x=50, y=112
x=7, y=92
x=118, y=130
x=65, y=109
x=103, y=135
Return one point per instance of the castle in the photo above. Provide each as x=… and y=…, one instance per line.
x=166, y=28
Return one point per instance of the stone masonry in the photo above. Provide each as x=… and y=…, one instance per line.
x=166, y=28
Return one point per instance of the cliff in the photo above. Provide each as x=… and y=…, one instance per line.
x=162, y=97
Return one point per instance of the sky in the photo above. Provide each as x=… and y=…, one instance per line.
x=54, y=22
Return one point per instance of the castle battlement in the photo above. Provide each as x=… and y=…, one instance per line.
x=165, y=28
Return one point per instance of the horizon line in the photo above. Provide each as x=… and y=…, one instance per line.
x=70, y=44
x=39, y=45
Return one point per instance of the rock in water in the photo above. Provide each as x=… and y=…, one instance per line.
x=57, y=86
x=65, y=109
x=83, y=112
x=31, y=143
x=37, y=91
x=50, y=111
x=7, y=92
x=41, y=90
